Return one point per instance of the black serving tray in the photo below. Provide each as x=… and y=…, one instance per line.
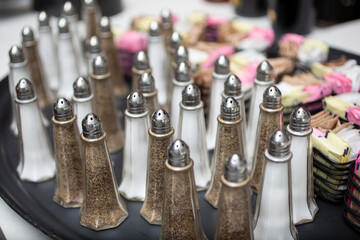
x=34, y=201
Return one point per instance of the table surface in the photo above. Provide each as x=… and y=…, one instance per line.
x=345, y=36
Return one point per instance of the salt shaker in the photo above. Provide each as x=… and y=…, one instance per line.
x=135, y=156
x=47, y=52
x=141, y=65
x=91, y=15
x=303, y=203
x=232, y=88
x=219, y=76
x=173, y=42
x=37, y=75
x=70, y=13
x=181, y=219
x=68, y=65
x=264, y=78
x=82, y=100
x=37, y=163
x=270, y=119
x=181, y=54
x=69, y=190
x=234, y=218
x=18, y=69
x=157, y=57
x=104, y=103
x=103, y=207
x=192, y=131
x=93, y=49
x=166, y=24
x=146, y=86
x=273, y=214
x=228, y=141
x=108, y=46
x=182, y=79
x=160, y=137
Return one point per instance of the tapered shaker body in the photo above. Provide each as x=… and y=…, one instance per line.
x=141, y=65
x=91, y=15
x=160, y=137
x=166, y=25
x=37, y=161
x=135, y=156
x=192, y=131
x=172, y=42
x=228, y=141
x=69, y=190
x=219, y=76
x=104, y=103
x=181, y=219
x=103, y=207
x=270, y=119
x=146, y=85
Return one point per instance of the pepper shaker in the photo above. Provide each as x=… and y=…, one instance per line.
x=103, y=207
x=37, y=75
x=173, y=42
x=181, y=219
x=37, y=162
x=18, y=69
x=264, y=79
x=91, y=15
x=104, y=103
x=232, y=88
x=146, y=86
x=303, y=203
x=135, y=156
x=166, y=24
x=69, y=188
x=70, y=13
x=82, y=100
x=234, y=219
x=141, y=65
x=219, y=76
x=157, y=57
x=273, y=214
x=270, y=119
x=108, y=46
x=160, y=137
x=192, y=131
x=181, y=54
x=228, y=141
x=47, y=52
x=93, y=49
x=68, y=65
x=182, y=79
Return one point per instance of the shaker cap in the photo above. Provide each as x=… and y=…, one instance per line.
x=43, y=19
x=92, y=126
x=105, y=24
x=63, y=26
x=62, y=110
x=264, y=71
x=166, y=16
x=141, y=61
x=175, y=40
x=24, y=90
x=181, y=54
x=222, y=65
x=300, y=119
x=16, y=54
x=81, y=87
x=154, y=29
x=272, y=97
x=178, y=153
x=93, y=45
x=183, y=72
x=89, y=3
x=27, y=34
x=146, y=83
x=230, y=109
x=160, y=122
x=100, y=65
x=232, y=86
x=69, y=9
x=236, y=169
x=279, y=144
x=136, y=103
x=191, y=95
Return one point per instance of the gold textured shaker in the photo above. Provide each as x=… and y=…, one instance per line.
x=166, y=24
x=91, y=15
